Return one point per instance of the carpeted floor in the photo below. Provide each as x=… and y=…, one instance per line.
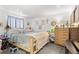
x=50, y=48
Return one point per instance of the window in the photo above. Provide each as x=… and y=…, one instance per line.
x=15, y=22
x=19, y=23
x=9, y=21
x=12, y=22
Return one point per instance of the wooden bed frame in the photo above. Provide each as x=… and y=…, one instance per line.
x=35, y=43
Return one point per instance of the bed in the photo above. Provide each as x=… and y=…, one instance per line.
x=30, y=42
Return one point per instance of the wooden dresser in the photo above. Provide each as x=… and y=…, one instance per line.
x=61, y=35
x=64, y=34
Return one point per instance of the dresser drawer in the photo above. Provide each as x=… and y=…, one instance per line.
x=60, y=42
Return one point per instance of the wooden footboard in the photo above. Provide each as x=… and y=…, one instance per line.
x=36, y=43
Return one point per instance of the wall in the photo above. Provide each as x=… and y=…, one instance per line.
x=38, y=24
x=3, y=18
x=34, y=22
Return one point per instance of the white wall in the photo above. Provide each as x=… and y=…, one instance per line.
x=3, y=18
x=35, y=23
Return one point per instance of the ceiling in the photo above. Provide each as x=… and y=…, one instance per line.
x=40, y=10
